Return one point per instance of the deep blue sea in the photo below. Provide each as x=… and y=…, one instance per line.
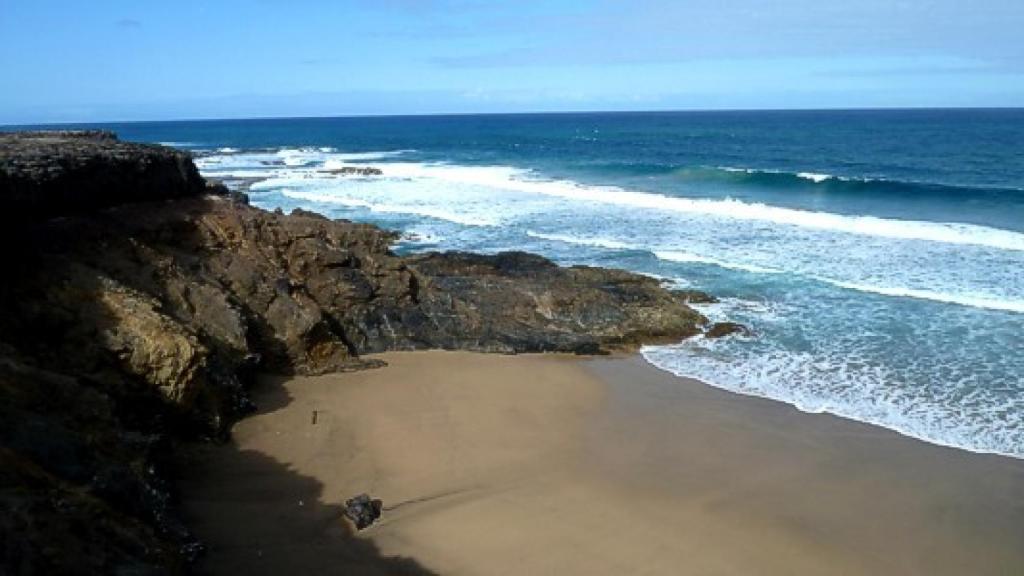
x=877, y=255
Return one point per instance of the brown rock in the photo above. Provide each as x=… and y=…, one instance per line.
x=722, y=329
x=356, y=171
x=47, y=174
x=695, y=297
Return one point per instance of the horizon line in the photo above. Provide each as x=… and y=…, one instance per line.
x=526, y=113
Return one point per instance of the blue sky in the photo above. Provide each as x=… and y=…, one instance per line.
x=68, y=60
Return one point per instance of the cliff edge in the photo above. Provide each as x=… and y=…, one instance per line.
x=138, y=302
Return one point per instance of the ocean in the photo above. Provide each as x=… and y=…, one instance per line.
x=878, y=256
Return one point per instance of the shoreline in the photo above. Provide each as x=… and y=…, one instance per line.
x=899, y=431
x=593, y=465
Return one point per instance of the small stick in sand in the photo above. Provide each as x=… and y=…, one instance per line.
x=314, y=416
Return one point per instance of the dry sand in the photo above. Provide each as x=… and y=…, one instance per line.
x=555, y=465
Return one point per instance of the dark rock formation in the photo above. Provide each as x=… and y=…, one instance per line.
x=723, y=329
x=695, y=297
x=46, y=174
x=363, y=511
x=137, y=318
x=185, y=296
x=356, y=171
x=83, y=486
x=517, y=302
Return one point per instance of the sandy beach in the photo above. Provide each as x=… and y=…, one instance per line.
x=542, y=464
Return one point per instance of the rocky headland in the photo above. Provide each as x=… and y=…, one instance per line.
x=138, y=302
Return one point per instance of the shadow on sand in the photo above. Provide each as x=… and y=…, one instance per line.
x=257, y=515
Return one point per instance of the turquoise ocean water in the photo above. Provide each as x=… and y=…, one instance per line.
x=877, y=255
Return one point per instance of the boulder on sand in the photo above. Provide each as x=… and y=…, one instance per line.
x=362, y=510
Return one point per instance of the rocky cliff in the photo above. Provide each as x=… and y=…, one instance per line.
x=48, y=174
x=138, y=302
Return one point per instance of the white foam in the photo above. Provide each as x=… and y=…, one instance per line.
x=814, y=177
x=512, y=179
x=949, y=233
x=288, y=163
x=690, y=258
x=581, y=241
x=337, y=164
x=975, y=301
x=670, y=255
x=297, y=157
x=740, y=309
x=670, y=282
x=507, y=178
x=421, y=237
x=960, y=299
x=255, y=161
x=363, y=156
x=291, y=157
x=428, y=211
x=307, y=156
x=247, y=173
x=841, y=387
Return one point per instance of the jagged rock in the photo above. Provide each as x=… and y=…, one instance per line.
x=518, y=302
x=218, y=188
x=47, y=174
x=363, y=511
x=140, y=314
x=722, y=329
x=355, y=171
x=79, y=492
x=695, y=297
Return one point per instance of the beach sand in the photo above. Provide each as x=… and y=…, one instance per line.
x=541, y=464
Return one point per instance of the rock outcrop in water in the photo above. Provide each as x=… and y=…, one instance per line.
x=723, y=329
x=138, y=302
x=356, y=171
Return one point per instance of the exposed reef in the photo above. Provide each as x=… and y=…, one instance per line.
x=723, y=329
x=355, y=171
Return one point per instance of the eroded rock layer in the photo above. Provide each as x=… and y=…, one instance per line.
x=137, y=305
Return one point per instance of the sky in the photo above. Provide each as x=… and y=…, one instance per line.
x=107, y=60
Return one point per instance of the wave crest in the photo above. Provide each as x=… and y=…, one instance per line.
x=690, y=258
x=582, y=241
x=429, y=212
x=731, y=209
x=972, y=301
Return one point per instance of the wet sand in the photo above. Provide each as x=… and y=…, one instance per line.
x=558, y=465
